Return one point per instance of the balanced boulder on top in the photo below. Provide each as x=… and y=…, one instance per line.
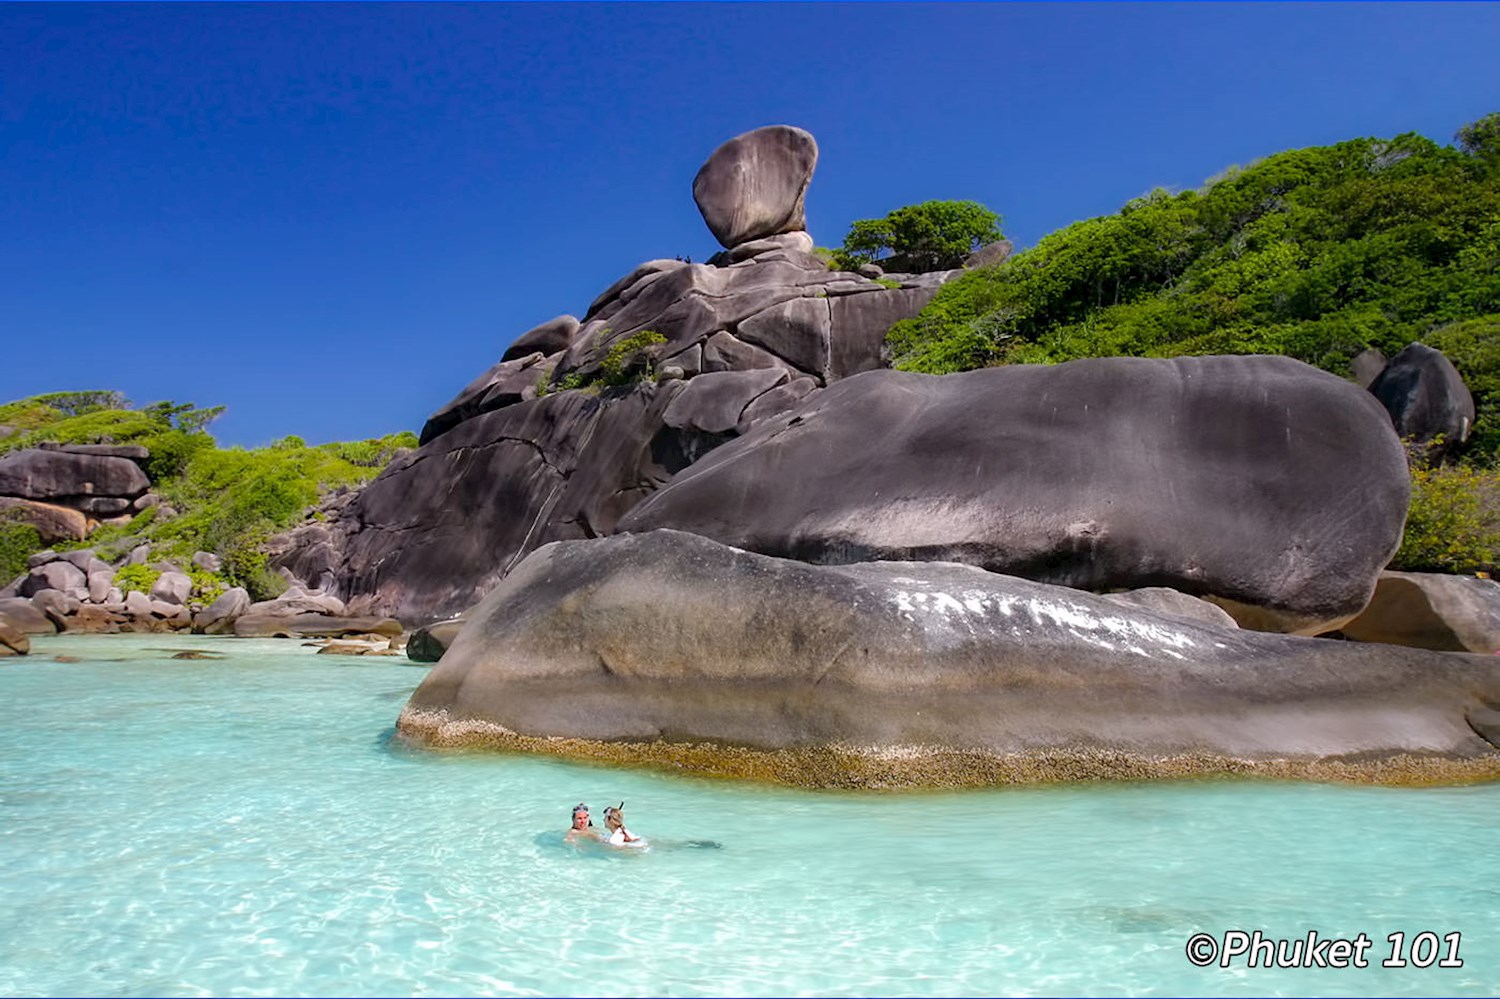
x=753, y=185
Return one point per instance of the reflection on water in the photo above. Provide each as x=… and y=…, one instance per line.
x=251, y=825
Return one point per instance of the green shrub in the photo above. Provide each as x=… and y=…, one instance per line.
x=630, y=359
x=207, y=586
x=17, y=542
x=138, y=578
x=931, y=236
x=1453, y=524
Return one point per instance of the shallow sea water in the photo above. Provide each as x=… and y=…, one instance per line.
x=251, y=827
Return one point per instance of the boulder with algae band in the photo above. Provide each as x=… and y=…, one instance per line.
x=668, y=648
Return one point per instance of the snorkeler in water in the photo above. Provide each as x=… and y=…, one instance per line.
x=583, y=826
x=614, y=821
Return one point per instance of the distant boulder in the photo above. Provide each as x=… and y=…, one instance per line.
x=753, y=186
x=218, y=617
x=1276, y=489
x=1426, y=397
x=546, y=339
x=44, y=474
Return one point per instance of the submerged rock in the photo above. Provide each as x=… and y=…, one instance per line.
x=674, y=649
x=1275, y=489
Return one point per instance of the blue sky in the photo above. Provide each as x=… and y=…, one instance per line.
x=331, y=217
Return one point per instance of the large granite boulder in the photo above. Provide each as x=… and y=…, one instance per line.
x=13, y=639
x=218, y=617
x=58, y=575
x=25, y=615
x=671, y=649
x=54, y=523
x=428, y=643
x=1275, y=489
x=753, y=186
x=1431, y=611
x=44, y=474
x=1426, y=397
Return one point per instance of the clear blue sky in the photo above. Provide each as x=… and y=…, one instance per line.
x=331, y=217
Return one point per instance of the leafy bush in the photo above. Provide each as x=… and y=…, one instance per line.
x=630, y=360
x=137, y=578
x=207, y=586
x=931, y=236
x=1316, y=253
x=1453, y=524
x=17, y=541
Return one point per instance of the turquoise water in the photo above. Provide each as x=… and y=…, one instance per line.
x=248, y=827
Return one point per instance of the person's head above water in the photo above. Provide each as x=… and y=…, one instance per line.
x=581, y=816
x=615, y=815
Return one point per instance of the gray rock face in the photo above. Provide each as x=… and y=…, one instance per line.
x=547, y=339
x=713, y=403
x=668, y=641
x=1425, y=396
x=100, y=584
x=298, y=601
x=429, y=536
x=37, y=474
x=57, y=605
x=792, y=244
x=134, y=452
x=218, y=617
x=207, y=561
x=1366, y=366
x=25, y=615
x=507, y=383
x=753, y=186
x=1162, y=600
x=172, y=588
x=57, y=575
x=1273, y=487
x=1431, y=611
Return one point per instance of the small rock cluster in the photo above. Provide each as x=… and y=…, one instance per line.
x=77, y=592
x=67, y=490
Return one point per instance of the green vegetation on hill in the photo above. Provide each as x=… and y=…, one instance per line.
x=227, y=500
x=1316, y=253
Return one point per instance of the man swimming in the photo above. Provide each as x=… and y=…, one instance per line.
x=583, y=827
